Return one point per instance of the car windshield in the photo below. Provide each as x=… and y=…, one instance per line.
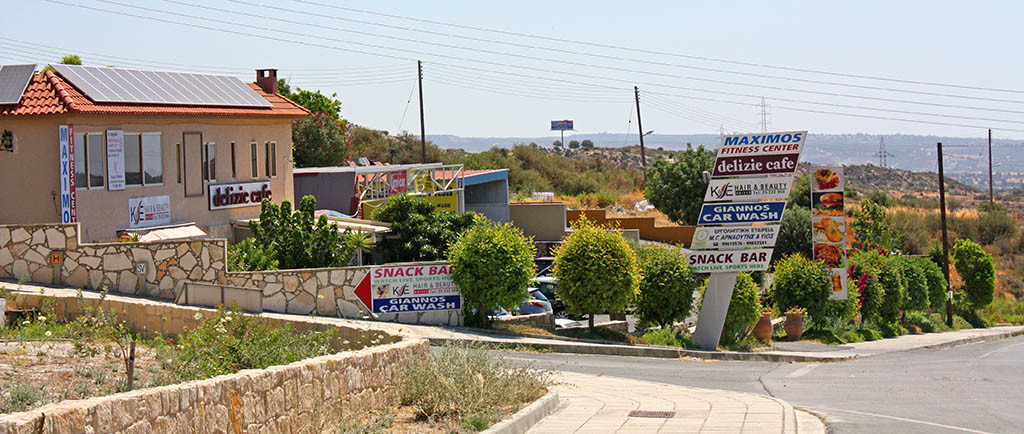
x=538, y=294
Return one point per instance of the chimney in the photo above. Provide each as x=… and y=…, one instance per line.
x=266, y=79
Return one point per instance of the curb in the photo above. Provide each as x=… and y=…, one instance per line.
x=526, y=418
x=809, y=423
x=973, y=340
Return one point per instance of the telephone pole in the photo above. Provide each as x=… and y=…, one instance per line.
x=423, y=130
x=945, y=240
x=991, y=194
x=640, y=126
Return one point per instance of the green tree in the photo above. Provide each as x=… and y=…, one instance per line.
x=421, y=231
x=587, y=144
x=557, y=143
x=666, y=285
x=795, y=234
x=361, y=242
x=677, y=188
x=71, y=59
x=802, y=282
x=800, y=195
x=574, y=144
x=869, y=226
x=995, y=224
x=313, y=101
x=597, y=270
x=292, y=239
x=320, y=141
x=744, y=309
x=977, y=270
x=492, y=266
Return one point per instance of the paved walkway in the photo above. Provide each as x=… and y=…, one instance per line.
x=599, y=404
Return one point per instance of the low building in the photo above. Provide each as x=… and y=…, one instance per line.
x=128, y=150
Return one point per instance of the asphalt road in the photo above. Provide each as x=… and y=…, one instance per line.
x=973, y=388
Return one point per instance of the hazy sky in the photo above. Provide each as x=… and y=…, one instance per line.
x=962, y=43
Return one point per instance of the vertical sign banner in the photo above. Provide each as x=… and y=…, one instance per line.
x=115, y=160
x=829, y=224
x=66, y=153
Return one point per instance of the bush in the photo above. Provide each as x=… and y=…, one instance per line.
x=977, y=270
x=744, y=309
x=935, y=281
x=293, y=239
x=995, y=224
x=246, y=256
x=423, y=231
x=801, y=282
x=597, y=270
x=959, y=323
x=676, y=187
x=666, y=286
x=870, y=227
x=666, y=337
x=916, y=283
x=920, y=320
x=963, y=308
x=794, y=234
x=869, y=334
x=891, y=329
x=1003, y=310
x=492, y=266
x=230, y=341
x=468, y=386
x=320, y=140
x=884, y=293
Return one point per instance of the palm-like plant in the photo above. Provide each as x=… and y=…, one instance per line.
x=360, y=241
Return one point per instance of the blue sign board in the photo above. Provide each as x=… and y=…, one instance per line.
x=426, y=303
x=565, y=125
x=743, y=212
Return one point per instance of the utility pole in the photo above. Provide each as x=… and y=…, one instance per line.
x=945, y=240
x=643, y=156
x=991, y=195
x=423, y=130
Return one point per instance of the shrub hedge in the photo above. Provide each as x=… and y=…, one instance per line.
x=802, y=282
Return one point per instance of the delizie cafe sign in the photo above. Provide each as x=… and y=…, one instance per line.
x=223, y=196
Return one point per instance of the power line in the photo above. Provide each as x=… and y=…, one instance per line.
x=391, y=56
x=577, y=52
x=681, y=106
x=663, y=53
x=524, y=56
x=716, y=120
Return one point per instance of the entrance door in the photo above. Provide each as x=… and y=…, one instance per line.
x=193, y=149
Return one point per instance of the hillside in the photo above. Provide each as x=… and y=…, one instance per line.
x=866, y=178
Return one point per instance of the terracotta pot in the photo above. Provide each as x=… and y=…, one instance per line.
x=794, y=326
x=763, y=329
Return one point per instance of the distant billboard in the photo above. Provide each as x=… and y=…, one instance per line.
x=563, y=125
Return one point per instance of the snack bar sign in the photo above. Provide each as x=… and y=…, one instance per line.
x=409, y=288
x=828, y=225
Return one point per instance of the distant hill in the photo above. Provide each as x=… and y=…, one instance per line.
x=866, y=178
x=962, y=156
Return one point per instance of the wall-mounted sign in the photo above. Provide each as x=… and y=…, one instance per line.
x=144, y=212
x=563, y=125
x=742, y=212
x=713, y=261
x=749, y=189
x=778, y=164
x=828, y=224
x=223, y=196
x=734, y=237
x=115, y=160
x=397, y=182
x=66, y=154
x=409, y=288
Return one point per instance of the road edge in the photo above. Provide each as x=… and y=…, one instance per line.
x=524, y=419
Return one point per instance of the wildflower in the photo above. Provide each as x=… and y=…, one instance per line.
x=42, y=318
x=49, y=333
x=198, y=316
x=26, y=322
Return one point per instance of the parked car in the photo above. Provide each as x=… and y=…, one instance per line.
x=537, y=303
x=545, y=264
x=548, y=285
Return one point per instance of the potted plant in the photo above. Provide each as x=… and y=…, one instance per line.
x=794, y=324
x=763, y=329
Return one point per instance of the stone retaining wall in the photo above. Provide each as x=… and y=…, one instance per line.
x=544, y=321
x=25, y=255
x=305, y=396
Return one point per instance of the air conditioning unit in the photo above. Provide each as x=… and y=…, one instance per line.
x=8, y=142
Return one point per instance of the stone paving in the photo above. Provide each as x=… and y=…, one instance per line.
x=600, y=404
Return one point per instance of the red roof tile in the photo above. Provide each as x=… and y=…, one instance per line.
x=49, y=94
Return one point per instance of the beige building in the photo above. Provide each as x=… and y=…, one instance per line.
x=123, y=150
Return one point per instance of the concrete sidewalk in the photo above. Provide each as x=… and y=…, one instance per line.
x=599, y=404
x=439, y=335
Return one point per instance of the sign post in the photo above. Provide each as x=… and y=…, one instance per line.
x=828, y=225
x=739, y=221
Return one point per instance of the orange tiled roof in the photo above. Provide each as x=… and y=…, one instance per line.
x=49, y=94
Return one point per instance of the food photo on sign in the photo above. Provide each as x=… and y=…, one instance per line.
x=827, y=204
x=833, y=256
x=827, y=179
x=829, y=229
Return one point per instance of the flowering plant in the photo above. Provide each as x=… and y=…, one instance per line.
x=796, y=310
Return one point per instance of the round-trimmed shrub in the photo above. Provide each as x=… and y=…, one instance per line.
x=597, y=270
x=884, y=293
x=492, y=266
x=744, y=309
x=915, y=281
x=936, y=282
x=666, y=286
x=979, y=274
x=802, y=282
x=895, y=295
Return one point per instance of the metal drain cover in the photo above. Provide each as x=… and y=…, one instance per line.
x=647, y=413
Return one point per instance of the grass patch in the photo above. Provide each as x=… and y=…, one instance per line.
x=522, y=328
x=603, y=334
x=1003, y=310
x=468, y=388
x=19, y=397
x=667, y=337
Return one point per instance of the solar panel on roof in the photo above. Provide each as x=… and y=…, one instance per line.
x=13, y=81
x=120, y=85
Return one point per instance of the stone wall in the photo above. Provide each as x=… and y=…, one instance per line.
x=305, y=396
x=543, y=321
x=25, y=255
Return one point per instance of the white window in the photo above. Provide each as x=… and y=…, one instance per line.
x=90, y=159
x=210, y=162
